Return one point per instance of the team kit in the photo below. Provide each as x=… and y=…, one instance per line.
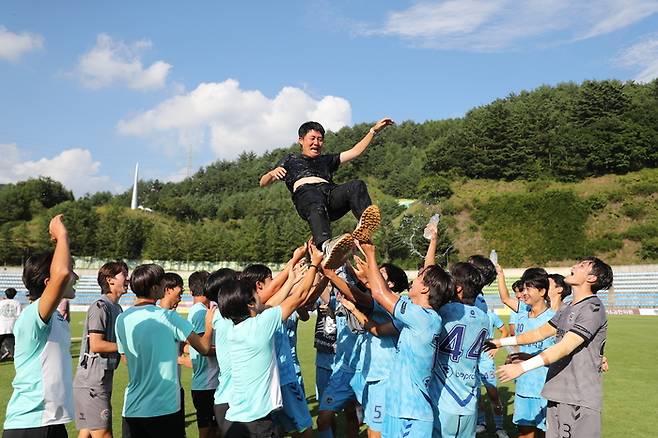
x=405, y=359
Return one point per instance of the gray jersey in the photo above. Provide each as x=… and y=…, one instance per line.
x=96, y=370
x=577, y=378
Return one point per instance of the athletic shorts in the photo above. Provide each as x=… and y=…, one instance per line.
x=358, y=384
x=220, y=416
x=338, y=391
x=448, y=425
x=93, y=408
x=294, y=417
x=322, y=376
x=52, y=431
x=406, y=428
x=529, y=411
x=374, y=403
x=153, y=427
x=261, y=428
x=204, y=403
x=565, y=420
x=487, y=371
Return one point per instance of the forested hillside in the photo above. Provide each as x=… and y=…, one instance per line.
x=543, y=176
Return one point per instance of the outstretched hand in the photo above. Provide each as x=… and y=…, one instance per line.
x=383, y=123
x=509, y=372
x=56, y=228
x=490, y=344
x=499, y=270
x=279, y=173
x=316, y=254
x=298, y=254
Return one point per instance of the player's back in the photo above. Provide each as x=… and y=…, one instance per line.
x=455, y=382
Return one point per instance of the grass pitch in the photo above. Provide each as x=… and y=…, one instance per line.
x=630, y=387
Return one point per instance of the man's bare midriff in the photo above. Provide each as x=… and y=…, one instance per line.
x=308, y=180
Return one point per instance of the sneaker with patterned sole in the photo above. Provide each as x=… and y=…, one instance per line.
x=370, y=220
x=337, y=250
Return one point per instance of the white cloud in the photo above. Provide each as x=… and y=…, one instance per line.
x=14, y=45
x=642, y=56
x=75, y=168
x=232, y=120
x=115, y=62
x=491, y=25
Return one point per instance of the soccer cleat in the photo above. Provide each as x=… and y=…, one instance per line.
x=337, y=250
x=480, y=428
x=500, y=433
x=368, y=224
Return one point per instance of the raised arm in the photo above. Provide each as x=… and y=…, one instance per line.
x=61, y=270
x=361, y=146
x=536, y=335
x=378, y=286
x=505, y=297
x=350, y=292
x=430, y=256
x=278, y=281
x=302, y=290
x=203, y=344
x=293, y=278
x=273, y=175
x=379, y=330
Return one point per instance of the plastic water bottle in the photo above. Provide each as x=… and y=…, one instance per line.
x=493, y=256
x=433, y=221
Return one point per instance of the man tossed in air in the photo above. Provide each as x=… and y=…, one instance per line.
x=308, y=176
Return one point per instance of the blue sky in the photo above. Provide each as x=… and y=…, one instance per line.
x=89, y=88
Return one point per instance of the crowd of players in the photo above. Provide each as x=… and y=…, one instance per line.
x=406, y=365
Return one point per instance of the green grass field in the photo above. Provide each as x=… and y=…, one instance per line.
x=631, y=396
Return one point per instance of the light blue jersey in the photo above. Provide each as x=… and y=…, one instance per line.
x=43, y=385
x=347, y=346
x=377, y=354
x=481, y=304
x=148, y=336
x=522, y=307
x=411, y=370
x=221, y=327
x=254, y=373
x=205, y=368
x=486, y=366
x=531, y=383
x=285, y=360
x=455, y=382
x=291, y=329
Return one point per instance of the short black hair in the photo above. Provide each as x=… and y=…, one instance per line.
x=559, y=281
x=172, y=280
x=518, y=284
x=233, y=302
x=310, y=126
x=603, y=273
x=109, y=270
x=486, y=267
x=256, y=272
x=397, y=276
x=10, y=292
x=35, y=273
x=145, y=277
x=469, y=278
x=537, y=278
x=440, y=284
x=216, y=282
x=197, y=281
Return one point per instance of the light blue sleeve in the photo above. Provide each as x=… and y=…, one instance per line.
x=31, y=325
x=269, y=321
x=497, y=322
x=119, y=331
x=412, y=316
x=198, y=320
x=181, y=326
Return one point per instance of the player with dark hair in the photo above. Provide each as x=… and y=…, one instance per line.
x=574, y=385
x=318, y=200
x=10, y=309
x=99, y=357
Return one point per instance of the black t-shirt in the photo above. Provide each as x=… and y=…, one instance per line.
x=299, y=166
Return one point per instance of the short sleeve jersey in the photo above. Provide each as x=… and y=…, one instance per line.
x=577, y=378
x=456, y=382
x=221, y=328
x=96, y=370
x=522, y=307
x=205, y=370
x=254, y=373
x=411, y=369
x=9, y=311
x=43, y=387
x=378, y=353
x=530, y=384
x=148, y=336
x=299, y=166
x=348, y=346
